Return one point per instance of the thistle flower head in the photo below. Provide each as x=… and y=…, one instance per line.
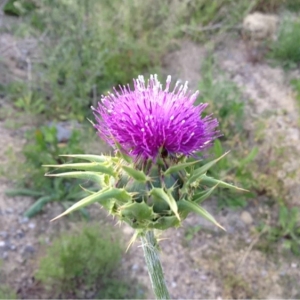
x=149, y=120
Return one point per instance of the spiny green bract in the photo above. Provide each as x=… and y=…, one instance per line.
x=145, y=195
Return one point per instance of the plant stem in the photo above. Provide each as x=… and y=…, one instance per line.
x=154, y=267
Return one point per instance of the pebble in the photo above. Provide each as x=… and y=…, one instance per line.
x=63, y=133
x=28, y=249
x=294, y=265
x=264, y=273
x=13, y=247
x=3, y=234
x=31, y=225
x=246, y=218
x=2, y=244
x=23, y=220
x=20, y=234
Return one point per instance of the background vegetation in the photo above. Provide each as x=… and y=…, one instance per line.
x=83, y=261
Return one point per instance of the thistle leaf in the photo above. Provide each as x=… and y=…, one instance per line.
x=179, y=167
x=103, y=195
x=210, y=180
x=89, y=157
x=167, y=197
x=94, y=167
x=193, y=207
x=200, y=198
x=136, y=174
x=138, y=211
x=86, y=175
x=202, y=170
x=164, y=223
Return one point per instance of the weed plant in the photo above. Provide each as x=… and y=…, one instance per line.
x=44, y=147
x=296, y=86
x=18, y=8
x=293, y=5
x=286, y=49
x=84, y=260
x=238, y=171
x=270, y=6
x=285, y=229
x=87, y=47
x=225, y=100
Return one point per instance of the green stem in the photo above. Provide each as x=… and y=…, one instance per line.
x=155, y=271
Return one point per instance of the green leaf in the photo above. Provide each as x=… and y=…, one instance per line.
x=179, y=167
x=138, y=211
x=37, y=206
x=210, y=180
x=23, y=192
x=89, y=157
x=193, y=207
x=86, y=175
x=103, y=195
x=94, y=167
x=136, y=174
x=200, y=198
x=164, y=223
x=218, y=149
x=202, y=170
x=167, y=197
x=248, y=158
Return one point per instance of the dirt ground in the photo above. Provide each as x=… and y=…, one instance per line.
x=214, y=264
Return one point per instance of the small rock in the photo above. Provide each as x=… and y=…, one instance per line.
x=23, y=220
x=3, y=234
x=20, y=260
x=13, y=247
x=264, y=273
x=282, y=273
x=173, y=284
x=246, y=218
x=294, y=265
x=63, y=133
x=2, y=244
x=4, y=255
x=20, y=234
x=31, y=225
x=9, y=210
x=28, y=249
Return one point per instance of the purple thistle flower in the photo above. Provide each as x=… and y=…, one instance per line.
x=150, y=119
